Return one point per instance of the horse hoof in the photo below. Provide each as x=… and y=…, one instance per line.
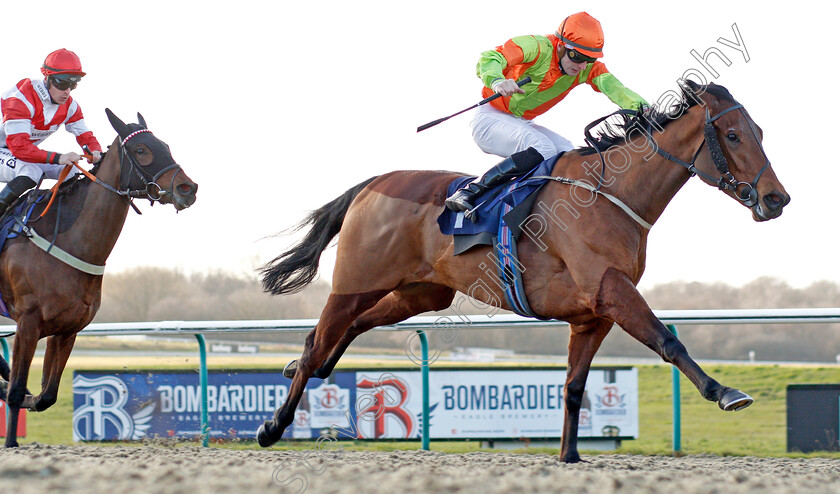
x=734, y=400
x=262, y=437
x=30, y=403
x=290, y=369
x=571, y=458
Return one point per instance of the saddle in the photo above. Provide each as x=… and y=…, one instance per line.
x=500, y=213
x=508, y=204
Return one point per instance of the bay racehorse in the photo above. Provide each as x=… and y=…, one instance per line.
x=581, y=265
x=50, y=299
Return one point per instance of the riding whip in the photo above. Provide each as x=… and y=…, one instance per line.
x=525, y=80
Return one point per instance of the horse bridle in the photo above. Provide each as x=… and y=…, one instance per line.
x=745, y=192
x=151, y=189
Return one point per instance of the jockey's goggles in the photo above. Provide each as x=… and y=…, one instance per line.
x=63, y=84
x=577, y=57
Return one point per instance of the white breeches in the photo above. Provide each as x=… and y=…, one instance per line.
x=500, y=133
x=11, y=167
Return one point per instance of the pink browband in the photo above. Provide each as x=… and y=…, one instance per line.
x=129, y=136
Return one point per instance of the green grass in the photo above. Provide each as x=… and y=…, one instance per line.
x=759, y=430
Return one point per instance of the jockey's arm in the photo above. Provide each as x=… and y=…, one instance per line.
x=23, y=149
x=76, y=126
x=603, y=81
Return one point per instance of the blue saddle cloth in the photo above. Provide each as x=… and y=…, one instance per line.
x=510, y=202
x=21, y=211
x=500, y=213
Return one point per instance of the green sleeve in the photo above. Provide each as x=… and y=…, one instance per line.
x=617, y=92
x=516, y=51
x=490, y=67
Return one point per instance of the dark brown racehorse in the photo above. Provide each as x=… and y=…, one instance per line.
x=50, y=299
x=582, y=260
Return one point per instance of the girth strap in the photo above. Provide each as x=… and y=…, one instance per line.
x=59, y=253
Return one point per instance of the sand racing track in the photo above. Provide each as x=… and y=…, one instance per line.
x=192, y=470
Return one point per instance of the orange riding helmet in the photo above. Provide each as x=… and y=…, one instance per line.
x=582, y=32
x=63, y=61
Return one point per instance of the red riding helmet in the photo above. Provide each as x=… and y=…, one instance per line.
x=62, y=61
x=583, y=32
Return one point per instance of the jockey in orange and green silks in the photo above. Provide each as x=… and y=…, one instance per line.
x=538, y=57
x=556, y=64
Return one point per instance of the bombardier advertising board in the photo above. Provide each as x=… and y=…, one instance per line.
x=354, y=404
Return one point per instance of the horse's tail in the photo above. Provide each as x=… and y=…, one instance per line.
x=297, y=267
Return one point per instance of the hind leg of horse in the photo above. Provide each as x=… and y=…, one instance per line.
x=584, y=341
x=338, y=314
x=4, y=377
x=55, y=359
x=24, y=349
x=619, y=300
x=4, y=369
x=5, y=372
x=399, y=305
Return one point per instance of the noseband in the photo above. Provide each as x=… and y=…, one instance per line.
x=150, y=189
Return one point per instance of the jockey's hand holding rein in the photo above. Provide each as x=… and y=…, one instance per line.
x=507, y=87
x=73, y=158
x=68, y=158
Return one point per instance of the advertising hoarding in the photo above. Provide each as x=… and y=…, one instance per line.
x=358, y=404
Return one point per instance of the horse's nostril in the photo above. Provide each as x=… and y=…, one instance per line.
x=186, y=189
x=774, y=201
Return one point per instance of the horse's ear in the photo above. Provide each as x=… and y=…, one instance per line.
x=142, y=120
x=116, y=123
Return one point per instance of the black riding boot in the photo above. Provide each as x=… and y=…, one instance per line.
x=13, y=190
x=517, y=164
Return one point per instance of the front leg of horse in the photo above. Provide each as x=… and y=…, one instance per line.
x=58, y=351
x=619, y=300
x=584, y=341
x=25, y=342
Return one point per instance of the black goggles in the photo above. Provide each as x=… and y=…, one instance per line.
x=577, y=57
x=62, y=85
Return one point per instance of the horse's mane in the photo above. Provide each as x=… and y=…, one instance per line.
x=612, y=134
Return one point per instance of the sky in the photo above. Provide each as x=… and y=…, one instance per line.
x=275, y=108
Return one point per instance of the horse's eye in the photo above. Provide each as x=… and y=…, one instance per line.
x=139, y=150
x=732, y=136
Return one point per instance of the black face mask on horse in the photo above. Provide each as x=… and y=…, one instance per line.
x=138, y=175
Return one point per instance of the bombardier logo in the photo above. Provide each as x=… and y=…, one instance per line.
x=103, y=414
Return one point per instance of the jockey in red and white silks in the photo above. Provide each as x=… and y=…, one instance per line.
x=33, y=111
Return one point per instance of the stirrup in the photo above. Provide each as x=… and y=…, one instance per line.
x=472, y=214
